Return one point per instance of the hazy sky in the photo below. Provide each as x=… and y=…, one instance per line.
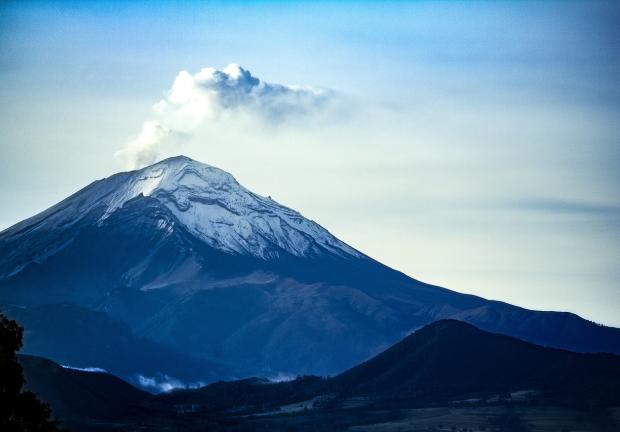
x=473, y=145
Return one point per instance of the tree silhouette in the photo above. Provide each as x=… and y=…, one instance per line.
x=20, y=410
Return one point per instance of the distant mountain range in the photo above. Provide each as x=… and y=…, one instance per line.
x=447, y=363
x=176, y=270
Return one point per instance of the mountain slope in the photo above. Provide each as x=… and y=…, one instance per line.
x=83, y=338
x=194, y=262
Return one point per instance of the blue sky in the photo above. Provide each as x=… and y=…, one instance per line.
x=473, y=145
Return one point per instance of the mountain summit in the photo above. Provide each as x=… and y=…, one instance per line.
x=179, y=255
x=212, y=205
x=208, y=202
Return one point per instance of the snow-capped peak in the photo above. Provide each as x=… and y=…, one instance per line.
x=214, y=207
x=179, y=174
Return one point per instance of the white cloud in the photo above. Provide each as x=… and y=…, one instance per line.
x=84, y=369
x=212, y=95
x=164, y=383
x=282, y=377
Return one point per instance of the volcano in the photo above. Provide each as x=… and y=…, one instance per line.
x=178, y=271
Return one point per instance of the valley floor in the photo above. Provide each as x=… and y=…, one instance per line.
x=531, y=419
x=500, y=418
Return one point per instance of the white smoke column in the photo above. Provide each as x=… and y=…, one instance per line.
x=205, y=97
x=145, y=147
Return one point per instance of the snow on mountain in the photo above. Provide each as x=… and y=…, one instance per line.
x=211, y=205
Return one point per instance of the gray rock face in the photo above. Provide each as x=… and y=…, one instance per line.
x=189, y=260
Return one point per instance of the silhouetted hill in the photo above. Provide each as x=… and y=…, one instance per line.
x=449, y=359
x=75, y=394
